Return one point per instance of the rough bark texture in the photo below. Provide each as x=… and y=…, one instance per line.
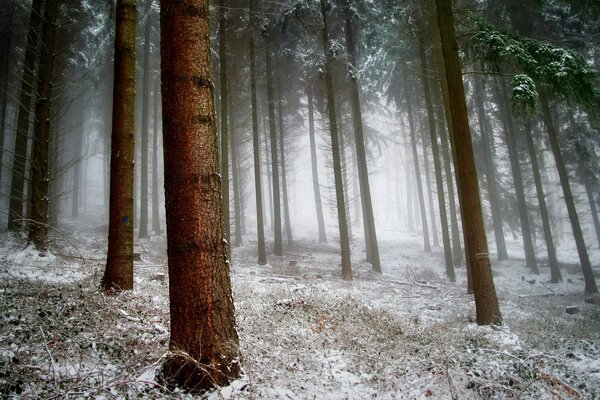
x=361, y=157
x=277, y=240
x=584, y=260
x=486, y=301
x=555, y=275
x=315, y=170
x=119, y=264
x=40, y=165
x=224, y=121
x=17, y=185
x=437, y=165
x=260, y=229
x=204, y=342
x=335, y=150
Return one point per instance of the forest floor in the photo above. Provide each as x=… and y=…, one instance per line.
x=408, y=333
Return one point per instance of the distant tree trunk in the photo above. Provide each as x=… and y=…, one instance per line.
x=594, y=210
x=237, y=197
x=486, y=301
x=143, y=228
x=260, y=229
x=346, y=186
x=315, y=170
x=268, y=178
x=510, y=134
x=204, y=342
x=224, y=121
x=434, y=233
x=586, y=266
x=277, y=244
x=555, y=275
x=409, y=195
x=335, y=150
x=436, y=165
x=17, y=185
x=79, y=133
x=118, y=274
x=490, y=169
x=413, y=145
x=155, y=188
x=5, y=48
x=361, y=157
x=38, y=229
x=286, y=204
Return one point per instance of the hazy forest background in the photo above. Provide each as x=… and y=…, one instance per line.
x=338, y=199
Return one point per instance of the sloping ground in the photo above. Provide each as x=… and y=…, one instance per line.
x=304, y=333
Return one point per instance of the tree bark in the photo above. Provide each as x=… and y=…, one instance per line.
x=335, y=150
x=260, y=229
x=17, y=185
x=224, y=121
x=237, y=198
x=584, y=260
x=79, y=133
x=40, y=163
x=204, y=342
x=361, y=157
x=436, y=165
x=5, y=61
x=315, y=170
x=486, y=301
x=118, y=274
x=284, y=188
x=155, y=157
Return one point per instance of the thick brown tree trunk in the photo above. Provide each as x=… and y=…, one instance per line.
x=335, y=150
x=224, y=121
x=486, y=301
x=260, y=229
x=17, y=185
x=315, y=170
x=436, y=165
x=118, y=274
x=584, y=260
x=40, y=163
x=361, y=157
x=204, y=342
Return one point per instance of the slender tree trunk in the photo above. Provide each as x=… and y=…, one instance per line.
x=409, y=194
x=413, y=145
x=436, y=165
x=510, y=134
x=260, y=229
x=586, y=266
x=490, y=169
x=79, y=133
x=268, y=178
x=155, y=157
x=361, y=157
x=286, y=204
x=118, y=274
x=315, y=170
x=486, y=301
x=237, y=198
x=335, y=150
x=434, y=233
x=204, y=342
x=555, y=275
x=143, y=228
x=17, y=185
x=5, y=61
x=277, y=244
x=593, y=209
x=38, y=229
x=224, y=121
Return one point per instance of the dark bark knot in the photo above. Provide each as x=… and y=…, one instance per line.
x=201, y=82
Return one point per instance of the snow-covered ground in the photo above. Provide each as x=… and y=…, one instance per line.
x=304, y=333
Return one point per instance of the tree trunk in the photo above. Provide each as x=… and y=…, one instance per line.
x=361, y=158
x=513, y=155
x=555, y=275
x=486, y=301
x=38, y=229
x=268, y=177
x=155, y=157
x=79, y=133
x=260, y=229
x=237, y=197
x=436, y=165
x=413, y=145
x=17, y=185
x=224, y=121
x=490, y=169
x=143, y=228
x=119, y=264
x=286, y=204
x=434, y=233
x=593, y=209
x=277, y=243
x=315, y=170
x=586, y=266
x=5, y=47
x=335, y=150
x=204, y=342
